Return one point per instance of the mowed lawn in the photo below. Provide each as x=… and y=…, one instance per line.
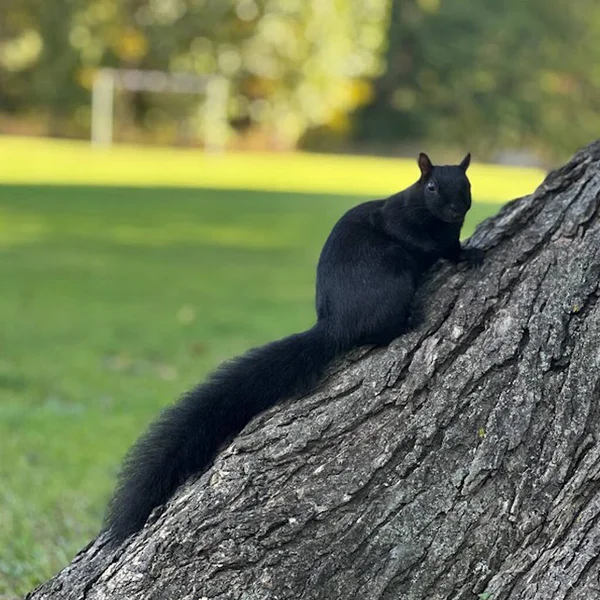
x=114, y=301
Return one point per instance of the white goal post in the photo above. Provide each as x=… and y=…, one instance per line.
x=213, y=87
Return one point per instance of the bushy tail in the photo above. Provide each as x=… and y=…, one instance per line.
x=185, y=438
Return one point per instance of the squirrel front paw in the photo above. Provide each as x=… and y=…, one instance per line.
x=472, y=256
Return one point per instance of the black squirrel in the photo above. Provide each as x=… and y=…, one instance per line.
x=367, y=274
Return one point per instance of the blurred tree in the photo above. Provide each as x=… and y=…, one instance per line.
x=489, y=74
x=291, y=64
x=308, y=63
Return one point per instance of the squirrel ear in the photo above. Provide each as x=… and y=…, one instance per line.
x=466, y=161
x=425, y=164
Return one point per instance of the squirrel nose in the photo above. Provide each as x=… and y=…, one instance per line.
x=456, y=212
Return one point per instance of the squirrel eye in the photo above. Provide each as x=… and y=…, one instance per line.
x=431, y=186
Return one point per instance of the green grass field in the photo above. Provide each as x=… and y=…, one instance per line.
x=117, y=299
x=45, y=161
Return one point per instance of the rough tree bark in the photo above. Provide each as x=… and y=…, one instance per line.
x=461, y=462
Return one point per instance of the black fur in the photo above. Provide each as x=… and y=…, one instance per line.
x=368, y=271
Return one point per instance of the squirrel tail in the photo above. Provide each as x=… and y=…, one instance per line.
x=184, y=440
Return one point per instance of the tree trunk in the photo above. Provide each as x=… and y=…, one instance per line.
x=461, y=462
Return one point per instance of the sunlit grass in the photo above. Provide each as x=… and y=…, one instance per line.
x=45, y=161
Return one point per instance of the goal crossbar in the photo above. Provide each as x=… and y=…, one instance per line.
x=107, y=81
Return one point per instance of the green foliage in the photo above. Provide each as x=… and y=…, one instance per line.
x=490, y=75
x=291, y=65
x=114, y=302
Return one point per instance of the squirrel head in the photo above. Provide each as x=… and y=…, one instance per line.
x=446, y=190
